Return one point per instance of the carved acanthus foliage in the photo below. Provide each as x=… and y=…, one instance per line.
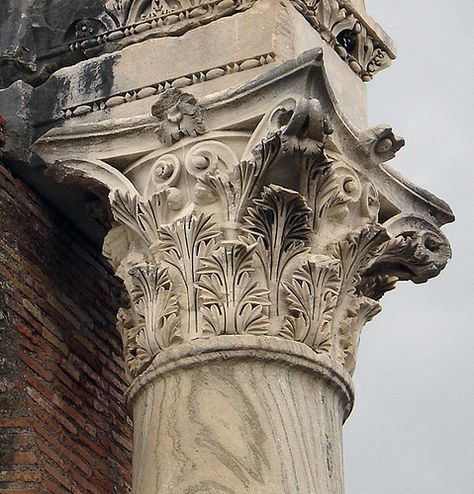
x=236, y=187
x=222, y=246
x=278, y=224
x=142, y=217
x=155, y=307
x=182, y=245
x=311, y=297
x=233, y=301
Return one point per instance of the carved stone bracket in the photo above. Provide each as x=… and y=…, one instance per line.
x=343, y=27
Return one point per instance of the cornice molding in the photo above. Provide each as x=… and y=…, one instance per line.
x=182, y=81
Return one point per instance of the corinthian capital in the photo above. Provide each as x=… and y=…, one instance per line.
x=251, y=209
x=282, y=226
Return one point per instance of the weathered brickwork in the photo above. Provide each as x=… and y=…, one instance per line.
x=63, y=428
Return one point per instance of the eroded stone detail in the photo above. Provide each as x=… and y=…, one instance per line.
x=344, y=30
x=130, y=21
x=178, y=115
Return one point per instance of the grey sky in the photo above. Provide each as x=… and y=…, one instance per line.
x=412, y=431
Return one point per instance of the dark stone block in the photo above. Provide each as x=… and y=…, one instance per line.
x=18, y=128
x=33, y=34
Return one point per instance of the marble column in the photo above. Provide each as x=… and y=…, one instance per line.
x=254, y=222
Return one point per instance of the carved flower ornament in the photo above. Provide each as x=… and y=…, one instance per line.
x=179, y=116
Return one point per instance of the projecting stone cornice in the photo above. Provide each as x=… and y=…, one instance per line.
x=101, y=155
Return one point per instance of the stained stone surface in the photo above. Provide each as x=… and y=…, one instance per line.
x=30, y=29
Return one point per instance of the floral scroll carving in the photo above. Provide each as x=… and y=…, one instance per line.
x=130, y=21
x=239, y=250
x=125, y=12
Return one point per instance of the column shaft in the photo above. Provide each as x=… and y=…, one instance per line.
x=242, y=415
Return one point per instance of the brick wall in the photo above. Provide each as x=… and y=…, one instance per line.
x=63, y=428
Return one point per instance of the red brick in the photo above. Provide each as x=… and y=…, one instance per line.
x=92, y=445
x=53, y=488
x=21, y=475
x=37, y=366
x=24, y=458
x=59, y=477
x=16, y=422
x=19, y=491
x=66, y=426
x=66, y=449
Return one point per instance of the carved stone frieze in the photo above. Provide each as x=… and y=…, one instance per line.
x=130, y=21
x=346, y=28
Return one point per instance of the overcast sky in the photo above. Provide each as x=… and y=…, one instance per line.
x=412, y=431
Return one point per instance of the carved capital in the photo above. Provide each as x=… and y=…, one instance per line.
x=218, y=245
x=250, y=213
x=243, y=216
